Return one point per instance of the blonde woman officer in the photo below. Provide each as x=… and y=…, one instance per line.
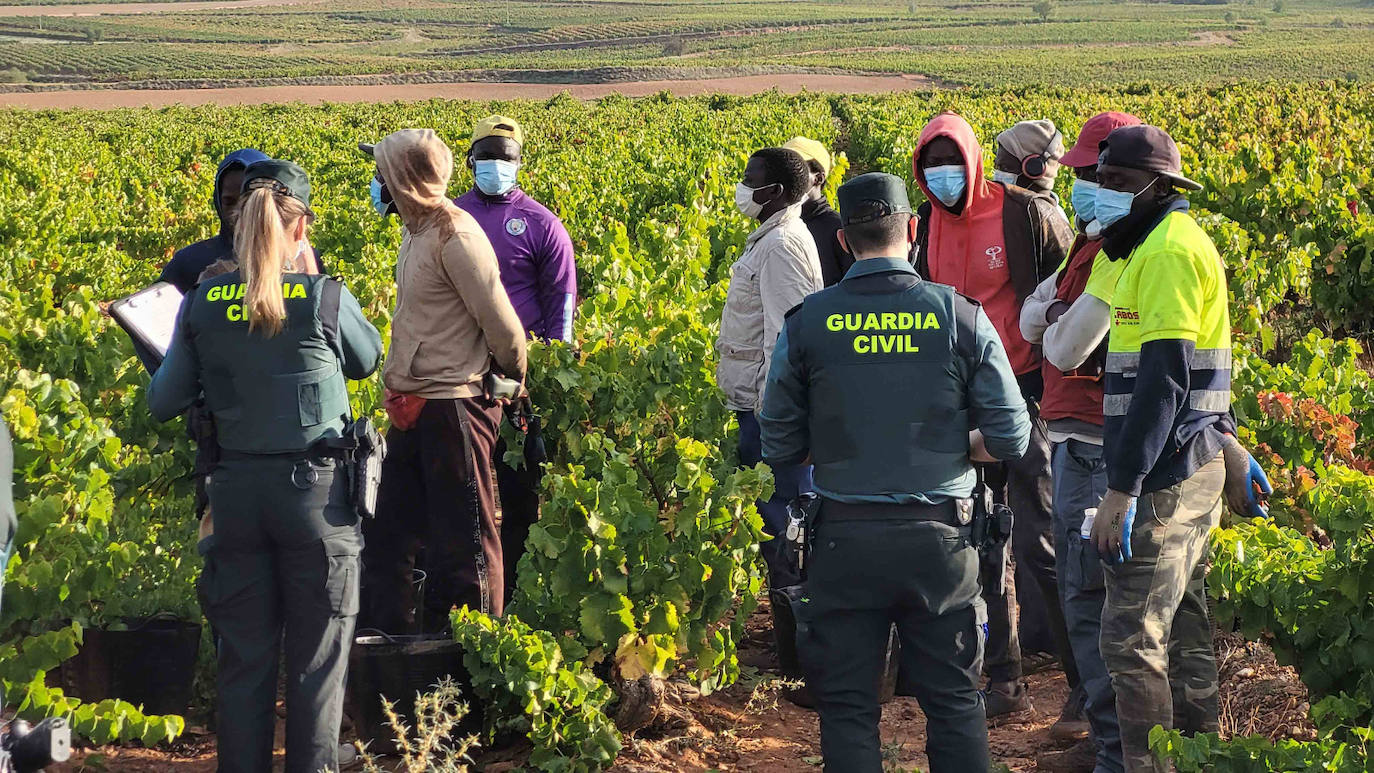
x=271, y=348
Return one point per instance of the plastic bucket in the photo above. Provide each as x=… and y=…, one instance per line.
x=152, y=664
x=397, y=668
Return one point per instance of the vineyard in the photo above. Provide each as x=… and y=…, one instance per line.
x=1074, y=42
x=645, y=564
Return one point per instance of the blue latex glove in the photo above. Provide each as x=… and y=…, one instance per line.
x=1111, y=529
x=1258, y=490
x=1124, y=554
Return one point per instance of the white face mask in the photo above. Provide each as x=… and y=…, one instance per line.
x=744, y=200
x=1006, y=178
x=297, y=263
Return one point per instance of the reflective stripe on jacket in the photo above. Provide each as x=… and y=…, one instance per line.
x=1168, y=370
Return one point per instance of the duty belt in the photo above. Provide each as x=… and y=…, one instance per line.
x=954, y=512
x=315, y=452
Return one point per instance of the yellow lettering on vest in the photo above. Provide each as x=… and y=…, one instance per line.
x=294, y=291
x=863, y=344
x=905, y=320
x=889, y=321
x=852, y=321
x=885, y=343
x=834, y=323
x=871, y=322
x=909, y=346
x=932, y=322
x=213, y=295
x=234, y=312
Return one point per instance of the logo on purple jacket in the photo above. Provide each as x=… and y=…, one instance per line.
x=516, y=226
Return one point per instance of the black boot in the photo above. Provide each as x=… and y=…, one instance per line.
x=1006, y=698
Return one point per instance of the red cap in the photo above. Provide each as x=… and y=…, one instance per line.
x=1093, y=134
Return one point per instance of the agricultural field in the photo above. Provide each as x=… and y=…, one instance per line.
x=644, y=568
x=952, y=42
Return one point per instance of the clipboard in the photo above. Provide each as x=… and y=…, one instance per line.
x=149, y=316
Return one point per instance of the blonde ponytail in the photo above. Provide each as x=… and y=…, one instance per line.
x=263, y=245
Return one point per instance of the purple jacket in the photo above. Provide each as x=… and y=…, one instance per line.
x=536, y=259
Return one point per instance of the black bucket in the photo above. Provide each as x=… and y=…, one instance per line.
x=397, y=668
x=152, y=664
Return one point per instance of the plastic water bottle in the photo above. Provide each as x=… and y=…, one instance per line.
x=1089, y=515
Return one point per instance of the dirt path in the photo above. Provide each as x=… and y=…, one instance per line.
x=750, y=728
x=751, y=84
x=103, y=9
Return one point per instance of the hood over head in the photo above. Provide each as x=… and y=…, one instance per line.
x=952, y=125
x=417, y=166
x=239, y=159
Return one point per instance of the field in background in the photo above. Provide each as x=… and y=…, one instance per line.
x=954, y=42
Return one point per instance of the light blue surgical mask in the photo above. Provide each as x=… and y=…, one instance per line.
x=495, y=176
x=1084, y=198
x=947, y=183
x=382, y=208
x=1110, y=206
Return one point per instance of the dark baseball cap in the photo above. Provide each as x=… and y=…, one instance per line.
x=871, y=196
x=282, y=177
x=1148, y=148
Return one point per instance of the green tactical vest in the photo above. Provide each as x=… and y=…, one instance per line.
x=887, y=374
x=270, y=395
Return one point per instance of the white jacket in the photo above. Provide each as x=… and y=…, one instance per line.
x=779, y=267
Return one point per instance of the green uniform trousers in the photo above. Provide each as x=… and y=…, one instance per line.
x=283, y=563
x=864, y=576
x=1156, y=634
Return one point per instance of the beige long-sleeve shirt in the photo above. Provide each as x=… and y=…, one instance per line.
x=452, y=314
x=779, y=267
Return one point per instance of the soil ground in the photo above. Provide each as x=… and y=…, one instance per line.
x=751, y=84
x=750, y=727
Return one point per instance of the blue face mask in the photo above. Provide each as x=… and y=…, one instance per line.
x=1084, y=198
x=382, y=208
x=1110, y=206
x=495, y=176
x=947, y=183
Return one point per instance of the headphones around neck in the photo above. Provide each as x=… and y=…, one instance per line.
x=1035, y=167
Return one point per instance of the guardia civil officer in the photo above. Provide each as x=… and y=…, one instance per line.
x=891, y=386
x=270, y=349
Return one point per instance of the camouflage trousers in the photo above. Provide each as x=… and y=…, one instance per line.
x=1156, y=635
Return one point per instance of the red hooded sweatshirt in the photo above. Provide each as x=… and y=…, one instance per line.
x=968, y=251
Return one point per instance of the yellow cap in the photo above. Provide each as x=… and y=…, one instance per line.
x=810, y=150
x=498, y=126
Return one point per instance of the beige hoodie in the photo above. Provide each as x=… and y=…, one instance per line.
x=452, y=314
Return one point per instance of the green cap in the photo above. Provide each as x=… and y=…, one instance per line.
x=871, y=196
x=282, y=177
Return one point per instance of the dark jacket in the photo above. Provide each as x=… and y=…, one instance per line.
x=824, y=223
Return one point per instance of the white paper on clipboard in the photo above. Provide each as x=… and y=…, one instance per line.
x=150, y=316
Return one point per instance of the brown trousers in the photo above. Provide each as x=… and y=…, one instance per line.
x=436, y=511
